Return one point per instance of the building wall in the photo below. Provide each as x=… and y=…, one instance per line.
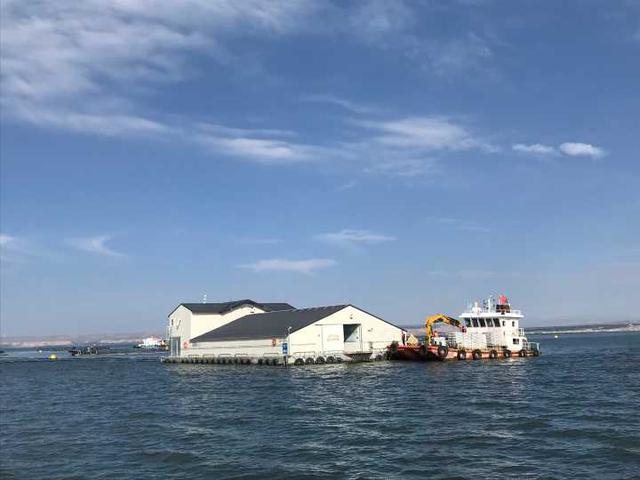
x=186, y=325
x=203, y=323
x=180, y=323
x=325, y=337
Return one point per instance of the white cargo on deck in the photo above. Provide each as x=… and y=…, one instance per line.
x=334, y=331
x=467, y=340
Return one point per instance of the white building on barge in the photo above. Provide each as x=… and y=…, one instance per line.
x=310, y=335
x=189, y=320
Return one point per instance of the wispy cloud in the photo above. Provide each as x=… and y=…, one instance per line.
x=424, y=133
x=347, y=186
x=571, y=149
x=9, y=246
x=459, y=224
x=18, y=249
x=306, y=267
x=96, y=245
x=338, y=101
x=87, y=61
x=452, y=56
x=581, y=150
x=352, y=237
x=535, y=149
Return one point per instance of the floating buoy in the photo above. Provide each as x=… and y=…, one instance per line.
x=53, y=356
x=555, y=336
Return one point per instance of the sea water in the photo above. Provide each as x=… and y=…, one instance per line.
x=573, y=412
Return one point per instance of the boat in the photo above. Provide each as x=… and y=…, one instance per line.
x=488, y=331
x=152, y=343
x=89, y=350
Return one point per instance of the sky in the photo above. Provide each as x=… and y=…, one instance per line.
x=407, y=157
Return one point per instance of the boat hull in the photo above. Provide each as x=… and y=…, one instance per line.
x=422, y=353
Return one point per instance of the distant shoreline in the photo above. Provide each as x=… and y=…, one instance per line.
x=134, y=338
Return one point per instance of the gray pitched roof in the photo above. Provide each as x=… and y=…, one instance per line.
x=228, y=306
x=268, y=325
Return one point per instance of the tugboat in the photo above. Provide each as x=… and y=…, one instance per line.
x=488, y=331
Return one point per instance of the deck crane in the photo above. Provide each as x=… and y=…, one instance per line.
x=428, y=324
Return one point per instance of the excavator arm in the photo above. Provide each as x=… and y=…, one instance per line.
x=428, y=324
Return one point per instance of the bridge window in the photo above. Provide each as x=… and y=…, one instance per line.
x=482, y=324
x=475, y=322
x=467, y=322
x=516, y=341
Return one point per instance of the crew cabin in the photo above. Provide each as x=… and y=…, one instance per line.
x=497, y=321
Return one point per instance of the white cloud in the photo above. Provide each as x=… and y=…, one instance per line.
x=351, y=237
x=6, y=240
x=536, y=149
x=568, y=148
x=424, y=133
x=262, y=150
x=97, y=245
x=62, y=48
x=306, y=267
x=78, y=65
x=581, y=149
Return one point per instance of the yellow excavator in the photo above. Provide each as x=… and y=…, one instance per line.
x=428, y=325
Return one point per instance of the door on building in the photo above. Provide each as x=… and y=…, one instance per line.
x=331, y=339
x=352, y=337
x=174, y=346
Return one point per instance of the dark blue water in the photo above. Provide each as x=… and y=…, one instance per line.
x=572, y=413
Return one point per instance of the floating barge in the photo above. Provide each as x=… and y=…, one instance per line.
x=490, y=331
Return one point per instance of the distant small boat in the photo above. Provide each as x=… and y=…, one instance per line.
x=89, y=350
x=152, y=343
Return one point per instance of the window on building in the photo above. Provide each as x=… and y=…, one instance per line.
x=504, y=324
x=516, y=341
x=467, y=322
x=475, y=322
x=513, y=324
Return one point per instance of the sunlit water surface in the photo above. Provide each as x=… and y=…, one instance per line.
x=574, y=412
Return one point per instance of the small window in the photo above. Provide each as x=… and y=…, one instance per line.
x=516, y=341
x=513, y=324
x=467, y=322
x=496, y=322
x=482, y=324
x=475, y=322
x=504, y=324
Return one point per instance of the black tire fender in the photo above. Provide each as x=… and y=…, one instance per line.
x=443, y=351
x=477, y=354
x=462, y=355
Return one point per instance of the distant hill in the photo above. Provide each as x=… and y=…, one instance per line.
x=68, y=340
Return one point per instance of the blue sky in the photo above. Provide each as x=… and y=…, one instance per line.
x=407, y=157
